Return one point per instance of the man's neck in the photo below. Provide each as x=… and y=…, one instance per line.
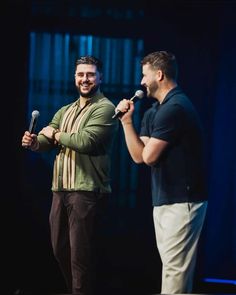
x=84, y=100
x=163, y=91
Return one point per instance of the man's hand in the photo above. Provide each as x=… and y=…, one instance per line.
x=47, y=131
x=30, y=141
x=126, y=107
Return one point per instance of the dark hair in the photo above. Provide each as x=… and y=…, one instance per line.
x=90, y=60
x=164, y=61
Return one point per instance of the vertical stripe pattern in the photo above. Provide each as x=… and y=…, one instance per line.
x=64, y=165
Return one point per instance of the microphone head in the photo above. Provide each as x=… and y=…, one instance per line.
x=35, y=114
x=139, y=94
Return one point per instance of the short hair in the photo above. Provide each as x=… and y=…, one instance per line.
x=90, y=60
x=164, y=61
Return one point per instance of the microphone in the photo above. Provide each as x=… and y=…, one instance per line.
x=33, y=122
x=139, y=94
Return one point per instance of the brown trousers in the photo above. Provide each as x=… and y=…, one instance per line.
x=74, y=220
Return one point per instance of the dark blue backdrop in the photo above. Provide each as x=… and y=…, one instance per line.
x=202, y=35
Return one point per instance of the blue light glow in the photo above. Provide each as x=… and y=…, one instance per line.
x=221, y=281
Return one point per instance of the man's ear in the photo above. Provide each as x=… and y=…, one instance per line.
x=160, y=75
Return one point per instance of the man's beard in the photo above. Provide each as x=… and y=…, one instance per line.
x=153, y=87
x=92, y=91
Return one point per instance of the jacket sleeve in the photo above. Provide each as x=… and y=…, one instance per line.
x=95, y=134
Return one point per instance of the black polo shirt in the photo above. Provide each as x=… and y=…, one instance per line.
x=179, y=174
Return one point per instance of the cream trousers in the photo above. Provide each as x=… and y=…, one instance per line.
x=177, y=228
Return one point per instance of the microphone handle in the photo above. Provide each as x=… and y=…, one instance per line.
x=32, y=125
x=117, y=114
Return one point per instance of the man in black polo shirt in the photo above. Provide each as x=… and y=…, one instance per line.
x=171, y=142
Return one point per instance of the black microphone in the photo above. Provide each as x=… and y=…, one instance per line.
x=33, y=122
x=139, y=94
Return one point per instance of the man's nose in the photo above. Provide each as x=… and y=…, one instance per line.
x=85, y=78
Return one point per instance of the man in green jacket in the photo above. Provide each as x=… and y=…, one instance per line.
x=83, y=132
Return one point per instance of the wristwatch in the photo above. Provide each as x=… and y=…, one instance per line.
x=54, y=132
